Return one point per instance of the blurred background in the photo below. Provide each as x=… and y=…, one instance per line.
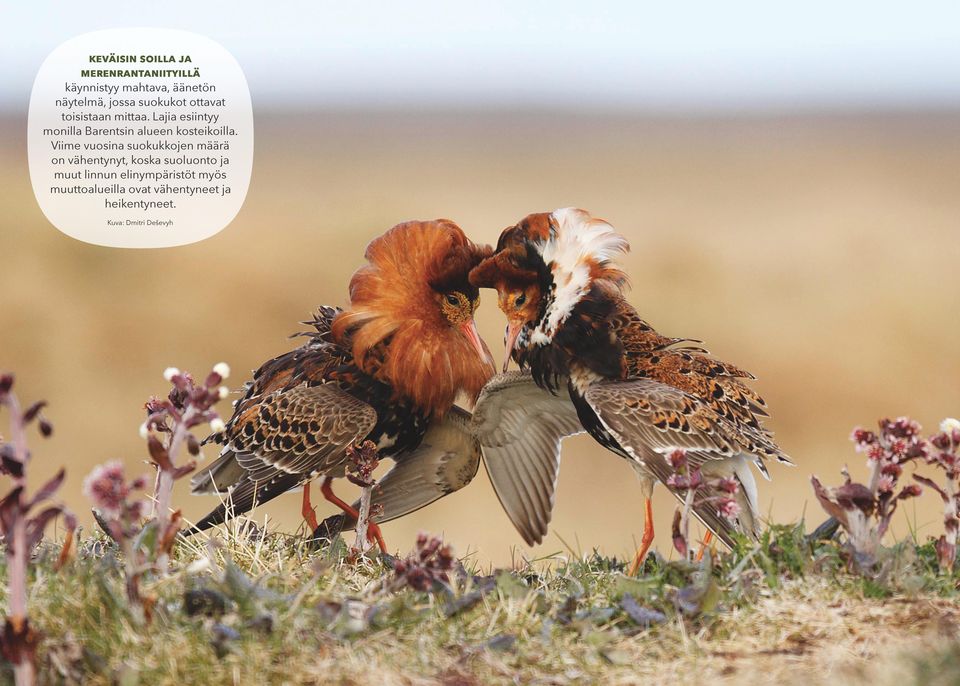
x=789, y=180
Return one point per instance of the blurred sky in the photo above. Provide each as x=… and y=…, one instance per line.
x=697, y=56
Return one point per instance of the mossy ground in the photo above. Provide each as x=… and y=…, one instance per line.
x=270, y=609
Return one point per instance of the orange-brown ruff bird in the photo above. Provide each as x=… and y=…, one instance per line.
x=640, y=394
x=387, y=369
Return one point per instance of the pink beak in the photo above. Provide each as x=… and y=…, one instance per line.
x=510, y=340
x=469, y=329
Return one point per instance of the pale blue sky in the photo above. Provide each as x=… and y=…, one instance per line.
x=729, y=54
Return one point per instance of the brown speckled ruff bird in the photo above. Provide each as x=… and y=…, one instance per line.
x=640, y=394
x=387, y=369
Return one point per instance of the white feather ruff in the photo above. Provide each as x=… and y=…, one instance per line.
x=578, y=242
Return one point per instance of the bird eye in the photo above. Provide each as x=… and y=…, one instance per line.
x=522, y=298
x=453, y=300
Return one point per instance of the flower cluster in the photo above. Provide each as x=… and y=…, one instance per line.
x=944, y=446
x=865, y=510
x=896, y=443
x=188, y=404
x=110, y=492
x=363, y=462
x=23, y=532
x=722, y=492
x=684, y=478
x=943, y=453
x=727, y=504
x=146, y=545
x=698, y=491
x=120, y=515
x=426, y=566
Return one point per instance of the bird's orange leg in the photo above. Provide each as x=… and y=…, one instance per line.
x=646, y=540
x=373, y=529
x=707, y=537
x=307, y=510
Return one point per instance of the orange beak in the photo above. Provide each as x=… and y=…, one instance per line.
x=510, y=340
x=469, y=329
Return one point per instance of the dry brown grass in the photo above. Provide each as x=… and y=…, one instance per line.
x=812, y=632
x=817, y=627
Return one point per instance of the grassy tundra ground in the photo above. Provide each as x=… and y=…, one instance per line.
x=265, y=609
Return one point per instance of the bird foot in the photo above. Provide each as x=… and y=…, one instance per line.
x=703, y=546
x=374, y=534
x=373, y=530
x=645, y=542
x=307, y=510
x=638, y=560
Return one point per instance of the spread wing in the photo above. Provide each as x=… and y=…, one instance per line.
x=519, y=427
x=445, y=461
x=286, y=438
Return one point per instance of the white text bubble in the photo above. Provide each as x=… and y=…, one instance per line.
x=140, y=138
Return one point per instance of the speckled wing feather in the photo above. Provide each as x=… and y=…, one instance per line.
x=650, y=420
x=311, y=363
x=675, y=362
x=663, y=418
x=520, y=427
x=287, y=439
x=303, y=431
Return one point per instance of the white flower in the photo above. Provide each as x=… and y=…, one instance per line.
x=949, y=425
x=223, y=392
x=170, y=372
x=144, y=431
x=223, y=369
x=217, y=425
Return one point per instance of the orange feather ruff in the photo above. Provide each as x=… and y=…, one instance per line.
x=395, y=325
